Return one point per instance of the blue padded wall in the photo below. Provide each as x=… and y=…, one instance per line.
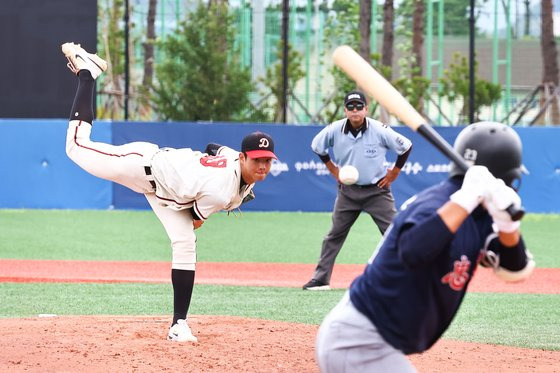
x=36, y=173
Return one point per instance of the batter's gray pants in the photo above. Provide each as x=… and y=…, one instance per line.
x=351, y=200
x=348, y=342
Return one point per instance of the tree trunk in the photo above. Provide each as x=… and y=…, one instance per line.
x=114, y=47
x=418, y=43
x=149, y=45
x=418, y=34
x=387, y=48
x=388, y=35
x=365, y=29
x=549, y=56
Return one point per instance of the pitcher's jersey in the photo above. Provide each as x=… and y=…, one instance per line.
x=186, y=178
x=411, y=289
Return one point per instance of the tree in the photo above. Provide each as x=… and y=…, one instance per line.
x=273, y=80
x=418, y=35
x=111, y=41
x=549, y=56
x=388, y=45
x=199, y=79
x=455, y=86
x=341, y=27
x=148, y=45
x=456, y=15
x=365, y=29
x=412, y=84
x=388, y=35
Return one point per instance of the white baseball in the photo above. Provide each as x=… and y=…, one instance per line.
x=348, y=174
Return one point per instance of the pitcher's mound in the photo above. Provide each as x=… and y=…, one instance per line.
x=226, y=344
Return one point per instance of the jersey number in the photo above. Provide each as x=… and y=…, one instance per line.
x=218, y=161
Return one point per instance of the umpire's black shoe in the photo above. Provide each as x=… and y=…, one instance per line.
x=316, y=285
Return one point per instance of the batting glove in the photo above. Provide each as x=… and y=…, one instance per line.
x=474, y=188
x=498, y=199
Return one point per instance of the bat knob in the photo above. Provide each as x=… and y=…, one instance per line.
x=516, y=213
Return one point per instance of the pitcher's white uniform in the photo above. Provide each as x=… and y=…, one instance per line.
x=183, y=178
x=184, y=187
x=205, y=182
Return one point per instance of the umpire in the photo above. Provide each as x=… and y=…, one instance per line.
x=362, y=142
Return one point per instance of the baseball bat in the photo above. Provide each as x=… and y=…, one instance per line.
x=376, y=86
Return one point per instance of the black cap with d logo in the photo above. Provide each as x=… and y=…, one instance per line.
x=258, y=145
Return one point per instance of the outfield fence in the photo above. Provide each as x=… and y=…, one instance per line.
x=37, y=174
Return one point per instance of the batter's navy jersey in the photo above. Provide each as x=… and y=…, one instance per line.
x=418, y=275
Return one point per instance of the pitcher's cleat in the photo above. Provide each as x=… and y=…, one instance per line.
x=79, y=59
x=181, y=332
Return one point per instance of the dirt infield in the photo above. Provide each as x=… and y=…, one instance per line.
x=542, y=281
x=226, y=344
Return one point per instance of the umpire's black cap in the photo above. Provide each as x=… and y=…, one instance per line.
x=355, y=96
x=258, y=145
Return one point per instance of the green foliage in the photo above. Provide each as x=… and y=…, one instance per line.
x=414, y=88
x=342, y=27
x=201, y=77
x=455, y=86
x=110, y=39
x=411, y=84
x=456, y=16
x=274, y=81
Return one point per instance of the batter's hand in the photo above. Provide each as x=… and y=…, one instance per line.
x=391, y=176
x=499, y=197
x=197, y=223
x=474, y=189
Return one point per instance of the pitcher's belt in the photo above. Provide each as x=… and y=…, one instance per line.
x=148, y=171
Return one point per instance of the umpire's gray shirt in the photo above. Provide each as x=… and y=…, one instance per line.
x=366, y=152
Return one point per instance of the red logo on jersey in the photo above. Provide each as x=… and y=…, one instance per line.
x=218, y=161
x=458, y=278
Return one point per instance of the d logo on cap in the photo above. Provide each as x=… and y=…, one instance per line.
x=258, y=145
x=263, y=143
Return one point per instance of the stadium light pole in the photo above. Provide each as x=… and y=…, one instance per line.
x=471, y=63
x=126, y=61
x=285, y=26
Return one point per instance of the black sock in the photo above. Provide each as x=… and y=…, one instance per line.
x=183, y=283
x=82, y=108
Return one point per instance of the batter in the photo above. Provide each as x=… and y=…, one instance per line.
x=417, y=278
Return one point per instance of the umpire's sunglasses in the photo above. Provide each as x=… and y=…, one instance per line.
x=355, y=105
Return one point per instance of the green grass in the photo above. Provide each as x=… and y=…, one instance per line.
x=287, y=304
x=250, y=237
x=138, y=235
x=524, y=320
